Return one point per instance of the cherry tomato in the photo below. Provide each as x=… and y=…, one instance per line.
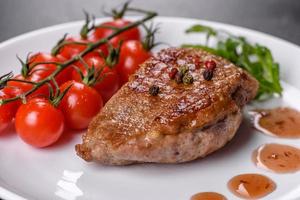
x=39, y=123
x=7, y=111
x=131, y=34
x=131, y=56
x=13, y=92
x=39, y=73
x=80, y=104
x=109, y=84
x=24, y=87
x=42, y=71
x=70, y=50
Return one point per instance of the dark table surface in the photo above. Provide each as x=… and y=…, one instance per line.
x=277, y=17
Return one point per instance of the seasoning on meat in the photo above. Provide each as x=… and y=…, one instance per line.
x=186, y=122
x=154, y=90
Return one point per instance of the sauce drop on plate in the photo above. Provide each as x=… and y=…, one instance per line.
x=280, y=122
x=277, y=158
x=208, y=196
x=249, y=186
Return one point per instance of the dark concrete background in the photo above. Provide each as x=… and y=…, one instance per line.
x=277, y=17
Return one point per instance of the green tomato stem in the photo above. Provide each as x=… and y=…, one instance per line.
x=90, y=47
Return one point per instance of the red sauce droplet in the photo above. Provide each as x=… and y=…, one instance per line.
x=208, y=196
x=277, y=158
x=249, y=186
x=279, y=122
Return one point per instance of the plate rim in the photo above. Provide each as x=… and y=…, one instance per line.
x=10, y=195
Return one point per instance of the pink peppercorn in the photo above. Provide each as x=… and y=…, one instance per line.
x=210, y=64
x=173, y=73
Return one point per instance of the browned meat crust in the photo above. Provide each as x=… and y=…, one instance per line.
x=182, y=123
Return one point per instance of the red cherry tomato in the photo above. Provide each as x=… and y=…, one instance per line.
x=39, y=73
x=7, y=112
x=24, y=87
x=13, y=92
x=80, y=104
x=39, y=123
x=70, y=50
x=42, y=71
x=109, y=84
x=131, y=34
x=131, y=56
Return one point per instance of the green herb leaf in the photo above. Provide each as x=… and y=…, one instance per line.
x=201, y=29
x=254, y=58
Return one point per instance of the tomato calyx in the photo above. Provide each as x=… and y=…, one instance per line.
x=25, y=69
x=28, y=67
x=88, y=26
x=58, y=46
x=64, y=41
x=118, y=13
x=92, y=74
x=55, y=97
x=149, y=40
x=4, y=79
x=113, y=55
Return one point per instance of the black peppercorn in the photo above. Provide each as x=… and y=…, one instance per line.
x=154, y=90
x=208, y=74
x=178, y=77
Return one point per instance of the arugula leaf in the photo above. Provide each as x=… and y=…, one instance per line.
x=198, y=28
x=254, y=58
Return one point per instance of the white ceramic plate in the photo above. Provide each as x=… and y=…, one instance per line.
x=57, y=173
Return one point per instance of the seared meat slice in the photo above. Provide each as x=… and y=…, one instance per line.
x=179, y=124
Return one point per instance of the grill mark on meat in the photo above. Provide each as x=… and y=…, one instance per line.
x=141, y=124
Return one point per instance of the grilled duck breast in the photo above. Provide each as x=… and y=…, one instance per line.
x=180, y=105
